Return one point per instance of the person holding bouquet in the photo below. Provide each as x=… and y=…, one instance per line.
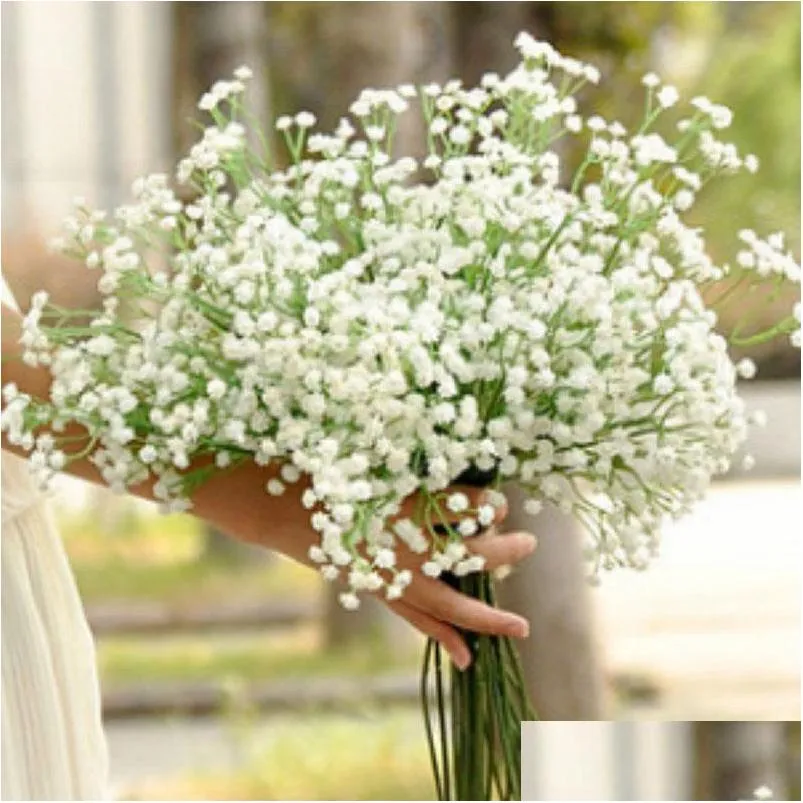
x=53, y=744
x=324, y=356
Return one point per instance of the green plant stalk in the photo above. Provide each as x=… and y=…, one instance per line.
x=487, y=704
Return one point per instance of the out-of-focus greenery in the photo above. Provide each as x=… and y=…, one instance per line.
x=153, y=557
x=376, y=756
x=287, y=653
x=380, y=755
x=755, y=69
x=747, y=57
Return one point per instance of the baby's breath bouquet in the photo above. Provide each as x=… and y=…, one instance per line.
x=387, y=325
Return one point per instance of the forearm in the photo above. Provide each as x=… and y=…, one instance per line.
x=227, y=500
x=237, y=503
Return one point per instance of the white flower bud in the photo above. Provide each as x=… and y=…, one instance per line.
x=385, y=559
x=746, y=368
x=275, y=487
x=457, y=502
x=349, y=601
x=305, y=119
x=486, y=515
x=330, y=573
x=533, y=507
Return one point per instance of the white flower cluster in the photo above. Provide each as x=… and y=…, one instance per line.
x=383, y=336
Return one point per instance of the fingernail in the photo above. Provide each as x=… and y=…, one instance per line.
x=462, y=662
x=520, y=628
x=533, y=543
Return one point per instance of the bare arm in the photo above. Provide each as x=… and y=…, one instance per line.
x=236, y=503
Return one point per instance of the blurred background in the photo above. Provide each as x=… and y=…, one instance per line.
x=230, y=674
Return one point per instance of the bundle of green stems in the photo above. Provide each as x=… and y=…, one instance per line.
x=474, y=722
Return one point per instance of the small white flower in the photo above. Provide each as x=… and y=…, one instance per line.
x=573, y=123
x=486, y=515
x=533, y=507
x=207, y=102
x=746, y=368
x=460, y=135
x=475, y=563
x=591, y=73
x=683, y=200
x=312, y=317
x=596, y=124
x=148, y=454
x=290, y=473
x=496, y=499
x=305, y=119
x=667, y=96
x=375, y=132
x=385, y=559
x=457, y=502
x=330, y=573
x=57, y=460
x=216, y=389
x=721, y=116
x=349, y=601
x=317, y=555
x=431, y=569
x=748, y=462
x=651, y=80
x=275, y=487
x=663, y=384
x=438, y=125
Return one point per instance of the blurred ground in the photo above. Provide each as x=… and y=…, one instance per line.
x=714, y=624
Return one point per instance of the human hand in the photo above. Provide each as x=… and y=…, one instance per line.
x=237, y=504
x=437, y=610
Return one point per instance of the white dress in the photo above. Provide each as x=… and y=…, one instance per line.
x=53, y=747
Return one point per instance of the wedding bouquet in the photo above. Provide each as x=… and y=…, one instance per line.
x=391, y=325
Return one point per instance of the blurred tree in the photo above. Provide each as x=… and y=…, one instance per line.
x=211, y=40
x=737, y=757
x=562, y=664
x=484, y=34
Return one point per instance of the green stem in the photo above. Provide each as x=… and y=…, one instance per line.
x=439, y=687
x=433, y=753
x=488, y=703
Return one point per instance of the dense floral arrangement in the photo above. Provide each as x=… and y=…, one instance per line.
x=385, y=324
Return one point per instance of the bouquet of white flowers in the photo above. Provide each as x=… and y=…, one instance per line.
x=386, y=325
